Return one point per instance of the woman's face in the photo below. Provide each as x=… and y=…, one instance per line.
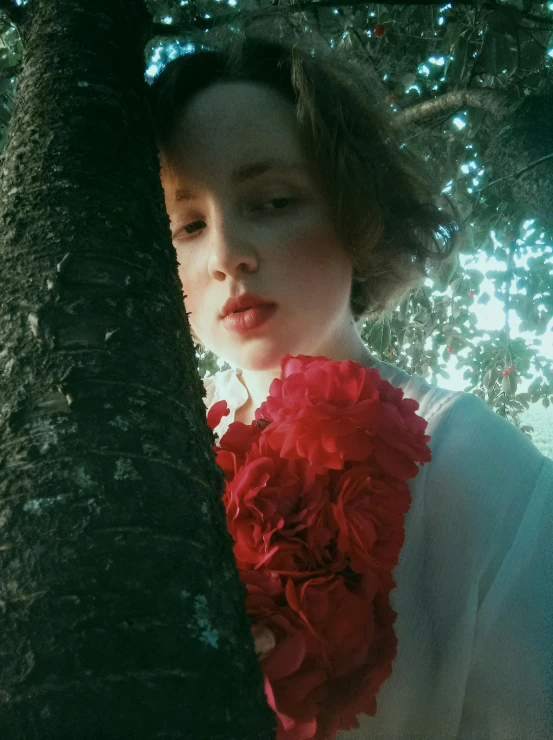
x=268, y=232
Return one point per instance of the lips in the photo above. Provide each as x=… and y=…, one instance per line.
x=251, y=319
x=243, y=302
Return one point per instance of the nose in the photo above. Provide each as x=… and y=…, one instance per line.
x=231, y=251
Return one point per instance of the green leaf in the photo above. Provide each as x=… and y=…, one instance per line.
x=456, y=69
x=475, y=276
x=503, y=20
x=484, y=298
x=535, y=385
x=531, y=54
x=5, y=85
x=506, y=385
x=380, y=337
x=8, y=60
x=498, y=53
x=455, y=284
x=403, y=309
x=446, y=272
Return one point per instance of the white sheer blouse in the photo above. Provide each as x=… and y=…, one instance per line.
x=474, y=594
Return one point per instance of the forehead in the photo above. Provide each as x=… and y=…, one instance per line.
x=228, y=124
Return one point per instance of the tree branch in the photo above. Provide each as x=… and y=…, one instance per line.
x=516, y=174
x=203, y=24
x=497, y=102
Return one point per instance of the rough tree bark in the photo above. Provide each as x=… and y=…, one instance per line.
x=121, y=612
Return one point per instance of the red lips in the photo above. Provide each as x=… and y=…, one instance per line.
x=242, y=302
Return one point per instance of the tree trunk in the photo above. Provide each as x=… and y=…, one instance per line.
x=121, y=612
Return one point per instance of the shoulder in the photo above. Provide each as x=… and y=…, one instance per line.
x=490, y=485
x=463, y=427
x=476, y=453
x=434, y=401
x=484, y=471
x=476, y=444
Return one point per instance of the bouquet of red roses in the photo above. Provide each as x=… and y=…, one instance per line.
x=315, y=500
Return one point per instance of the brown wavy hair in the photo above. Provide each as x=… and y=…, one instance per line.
x=385, y=199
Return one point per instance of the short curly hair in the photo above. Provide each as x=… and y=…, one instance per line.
x=384, y=198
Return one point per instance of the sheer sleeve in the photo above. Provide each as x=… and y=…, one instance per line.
x=509, y=686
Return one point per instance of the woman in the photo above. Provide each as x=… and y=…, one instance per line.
x=295, y=215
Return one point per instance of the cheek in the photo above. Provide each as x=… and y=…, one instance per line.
x=318, y=253
x=185, y=268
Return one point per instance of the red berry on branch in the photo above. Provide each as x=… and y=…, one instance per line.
x=391, y=98
x=450, y=350
x=379, y=30
x=506, y=373
x=471, y=293
x=511, y=368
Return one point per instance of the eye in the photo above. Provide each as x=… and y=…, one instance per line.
x=196, y=226
x=286, y=201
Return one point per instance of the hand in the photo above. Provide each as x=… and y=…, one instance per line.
x=264, y=640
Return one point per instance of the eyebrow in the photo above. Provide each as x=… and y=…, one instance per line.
x=248, y=172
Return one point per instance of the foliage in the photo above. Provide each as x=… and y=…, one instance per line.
x=470, y=86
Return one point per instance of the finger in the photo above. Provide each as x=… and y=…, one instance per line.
x=264, y=640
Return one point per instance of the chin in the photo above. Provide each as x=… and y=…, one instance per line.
x=261, y=360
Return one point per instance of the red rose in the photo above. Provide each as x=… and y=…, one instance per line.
x=356, y=693
x=269, y=503
x=338, y=616
x=262, y=583
x=401, y=439
x=315, y=499
x=233, y=446
x=327, y=413
x=356, y=647
x=296, y=678
x=369, y=516
x=216, y=413
x=321, y=535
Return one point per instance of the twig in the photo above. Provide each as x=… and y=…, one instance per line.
x=516, y=174
x=496, y=101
